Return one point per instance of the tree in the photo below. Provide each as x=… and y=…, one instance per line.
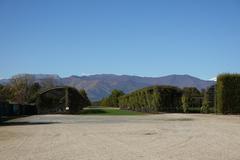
x=21, y=89
x=114, y=97
x=24, y=88
x=112, y=100
x=20, y=86
x=33, y=92
x=6, y=93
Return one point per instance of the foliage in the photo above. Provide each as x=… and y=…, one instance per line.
x=76, y=101
x=6, y=93
x=191, y=99
x=22, y=89
x=84, y=95
x=33, y=92
x=208, y=100
x=228, y=93
x=112, y=100
x=152, y=99
x=61, y=100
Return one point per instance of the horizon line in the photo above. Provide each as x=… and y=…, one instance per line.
x=116, y=74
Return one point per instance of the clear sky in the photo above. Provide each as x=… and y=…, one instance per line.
x=136, y=37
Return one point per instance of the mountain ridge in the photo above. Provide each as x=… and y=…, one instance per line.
x=100, y=85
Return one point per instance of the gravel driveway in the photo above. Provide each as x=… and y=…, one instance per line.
x=146, y=137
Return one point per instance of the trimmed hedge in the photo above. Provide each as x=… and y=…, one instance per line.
x=153, y=99
x=56, y=100
x=191, y=100
x=228, y=93
x=209, y=100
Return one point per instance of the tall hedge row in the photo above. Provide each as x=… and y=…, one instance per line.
x=153, y=99
x=228, y=93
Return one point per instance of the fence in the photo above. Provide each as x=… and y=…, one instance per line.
x=13, y=109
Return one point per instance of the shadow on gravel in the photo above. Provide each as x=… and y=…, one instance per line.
x=178, y=119
x=7, y=118
x=25, y=123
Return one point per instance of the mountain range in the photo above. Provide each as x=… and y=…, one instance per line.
x=100, y=85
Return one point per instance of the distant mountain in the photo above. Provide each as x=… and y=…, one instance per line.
x=54, y=78
x=4, y=81
x=99, y=86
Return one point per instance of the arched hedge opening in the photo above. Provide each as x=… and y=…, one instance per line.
x=191, y=100
x=60, y=100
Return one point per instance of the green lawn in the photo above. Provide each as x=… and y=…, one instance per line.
x=107, y=111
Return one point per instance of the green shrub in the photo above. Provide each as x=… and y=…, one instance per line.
x=228, y=93
x=152, y=99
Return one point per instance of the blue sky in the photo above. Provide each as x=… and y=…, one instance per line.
x=136, y=37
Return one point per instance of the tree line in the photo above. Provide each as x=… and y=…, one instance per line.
x=24, y=89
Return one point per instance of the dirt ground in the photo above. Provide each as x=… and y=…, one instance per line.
x=146, y=137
